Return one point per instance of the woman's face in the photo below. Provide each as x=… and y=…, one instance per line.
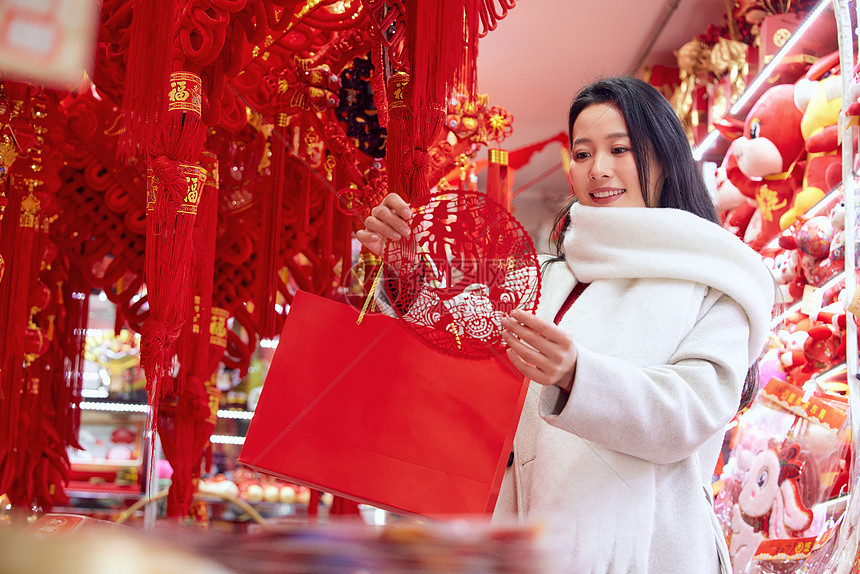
x=603, y=167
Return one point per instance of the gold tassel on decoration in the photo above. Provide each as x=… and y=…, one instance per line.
x=693, y=60
x=399, y=117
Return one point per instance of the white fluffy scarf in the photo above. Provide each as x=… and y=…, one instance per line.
x=635, y=242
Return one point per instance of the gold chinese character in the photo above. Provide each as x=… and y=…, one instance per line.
x=768, y=202
x=179, y=91
x=193, y=194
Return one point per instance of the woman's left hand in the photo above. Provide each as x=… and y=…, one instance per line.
x=539, y=349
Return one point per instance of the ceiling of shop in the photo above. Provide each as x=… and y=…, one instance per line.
x=545, y=50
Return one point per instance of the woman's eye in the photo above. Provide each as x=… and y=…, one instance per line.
x=580, y=155
x=619, y=149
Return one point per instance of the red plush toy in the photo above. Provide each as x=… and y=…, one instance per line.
x=769, y=153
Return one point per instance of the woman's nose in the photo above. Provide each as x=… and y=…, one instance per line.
x=600, y=166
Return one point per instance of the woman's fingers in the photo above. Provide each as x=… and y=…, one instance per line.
x=526, y=369
x=373, y=242
x=398, y=205
x=526, y=351
x=539, y=349
x=388, y=221
x=544, y=329
x=385, y=227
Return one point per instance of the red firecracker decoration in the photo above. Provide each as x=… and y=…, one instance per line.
x=498, y=188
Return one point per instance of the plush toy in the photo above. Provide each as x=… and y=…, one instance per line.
x=785, y=268
x=735, y=207
x=771, y=503
x=793, y=358
x=820, y=100
x=813, y=241
x=769, y=152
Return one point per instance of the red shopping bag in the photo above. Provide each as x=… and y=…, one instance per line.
x=371, y=413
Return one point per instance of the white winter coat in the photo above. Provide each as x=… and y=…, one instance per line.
x=620, y=470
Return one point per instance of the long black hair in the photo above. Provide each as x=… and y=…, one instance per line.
x=656, y=134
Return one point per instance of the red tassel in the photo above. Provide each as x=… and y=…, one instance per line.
x=327, y=231
x=186, y=425
x=304, y=210
x=147, y=68
x=19, y=244
x=498, y=188
x=272, y=209
x=441, y=44
x=377, y=84
x=72, y=338
x=174, y=187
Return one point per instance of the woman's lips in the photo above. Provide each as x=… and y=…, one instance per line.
x=606, y=195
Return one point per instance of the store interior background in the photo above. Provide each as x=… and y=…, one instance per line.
x=531, y=65
x=540, y=55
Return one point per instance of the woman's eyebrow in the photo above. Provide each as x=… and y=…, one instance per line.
x=613, y=135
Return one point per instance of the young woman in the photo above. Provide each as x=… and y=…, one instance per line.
x=648, y=322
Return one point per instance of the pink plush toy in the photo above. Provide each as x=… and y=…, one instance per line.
x=770, y=504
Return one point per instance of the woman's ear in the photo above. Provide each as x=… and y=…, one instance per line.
x=565, y=164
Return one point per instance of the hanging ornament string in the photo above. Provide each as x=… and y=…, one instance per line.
x=370, y=301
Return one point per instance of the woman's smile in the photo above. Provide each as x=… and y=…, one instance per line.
x=605, y=195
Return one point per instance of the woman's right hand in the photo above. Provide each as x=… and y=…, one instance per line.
x=388, y=221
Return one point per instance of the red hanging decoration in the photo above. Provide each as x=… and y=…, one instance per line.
x=174, y=186
x=498, y=187
x=147, y=67
x=186, y=423
x=442, y=48
x=271, y=213
x=33, y=440
x=468, y=264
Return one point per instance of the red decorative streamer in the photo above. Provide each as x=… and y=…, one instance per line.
x=272, y=222
x=147, y=68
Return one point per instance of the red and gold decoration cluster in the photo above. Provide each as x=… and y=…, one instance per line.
x=215, y=161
